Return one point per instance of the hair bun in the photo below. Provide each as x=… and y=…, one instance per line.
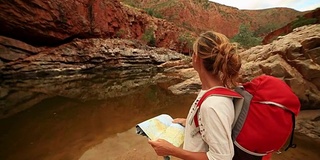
x=219, y=56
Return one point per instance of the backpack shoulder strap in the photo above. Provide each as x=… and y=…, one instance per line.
x=224, y=92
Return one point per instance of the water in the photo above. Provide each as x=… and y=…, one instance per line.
x=92, y=117
x=69, y=116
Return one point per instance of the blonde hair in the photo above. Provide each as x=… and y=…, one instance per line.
x=219, y=57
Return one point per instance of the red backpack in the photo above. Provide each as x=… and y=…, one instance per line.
x=265, y=117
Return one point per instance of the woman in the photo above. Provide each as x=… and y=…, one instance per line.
x=217, y=63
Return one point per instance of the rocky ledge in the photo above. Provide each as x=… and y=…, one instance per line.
x=81, y=55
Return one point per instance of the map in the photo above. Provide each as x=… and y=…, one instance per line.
x=161, y=127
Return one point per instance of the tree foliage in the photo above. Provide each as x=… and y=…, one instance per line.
x=148, y=37
x=246, y=38
x=153, y=12
x=186, y=40
x=268, y=28
x=301, y=21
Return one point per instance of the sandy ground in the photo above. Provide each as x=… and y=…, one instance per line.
x=130, y=146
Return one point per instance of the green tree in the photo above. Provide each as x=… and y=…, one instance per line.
x=268, y=28
x=148, y=37
x=186, y=40
x=301, y=21
x=152, y=12
x=246, y=38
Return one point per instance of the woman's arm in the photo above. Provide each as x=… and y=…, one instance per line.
x=164, y=148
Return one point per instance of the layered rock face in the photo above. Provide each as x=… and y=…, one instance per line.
x=86, y=55
x=295, y=58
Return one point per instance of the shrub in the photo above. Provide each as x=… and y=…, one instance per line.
x=246, y=38
x=152, y=12
x=263, y=30
x=120, y=33
x=301, y=21
x=186, y=39
x=148, y=37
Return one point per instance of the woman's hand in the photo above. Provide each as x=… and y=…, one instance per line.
x=162, y=147
x=181, y=121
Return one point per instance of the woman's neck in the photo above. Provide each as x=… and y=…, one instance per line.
x=209, y=81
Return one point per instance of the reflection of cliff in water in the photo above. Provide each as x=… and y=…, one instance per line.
x=19, y=94
x=61, y=126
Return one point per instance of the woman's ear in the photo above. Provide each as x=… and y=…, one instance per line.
x=196, y=62
x=195, y=58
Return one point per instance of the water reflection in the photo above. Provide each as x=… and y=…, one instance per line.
x=19, y=94
x=63, y=122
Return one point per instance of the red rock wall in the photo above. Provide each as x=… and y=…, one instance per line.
x=51, y=22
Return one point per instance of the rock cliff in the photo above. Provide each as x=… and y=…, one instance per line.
x=199, y=16
x=311, y=17
x=52, y=23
